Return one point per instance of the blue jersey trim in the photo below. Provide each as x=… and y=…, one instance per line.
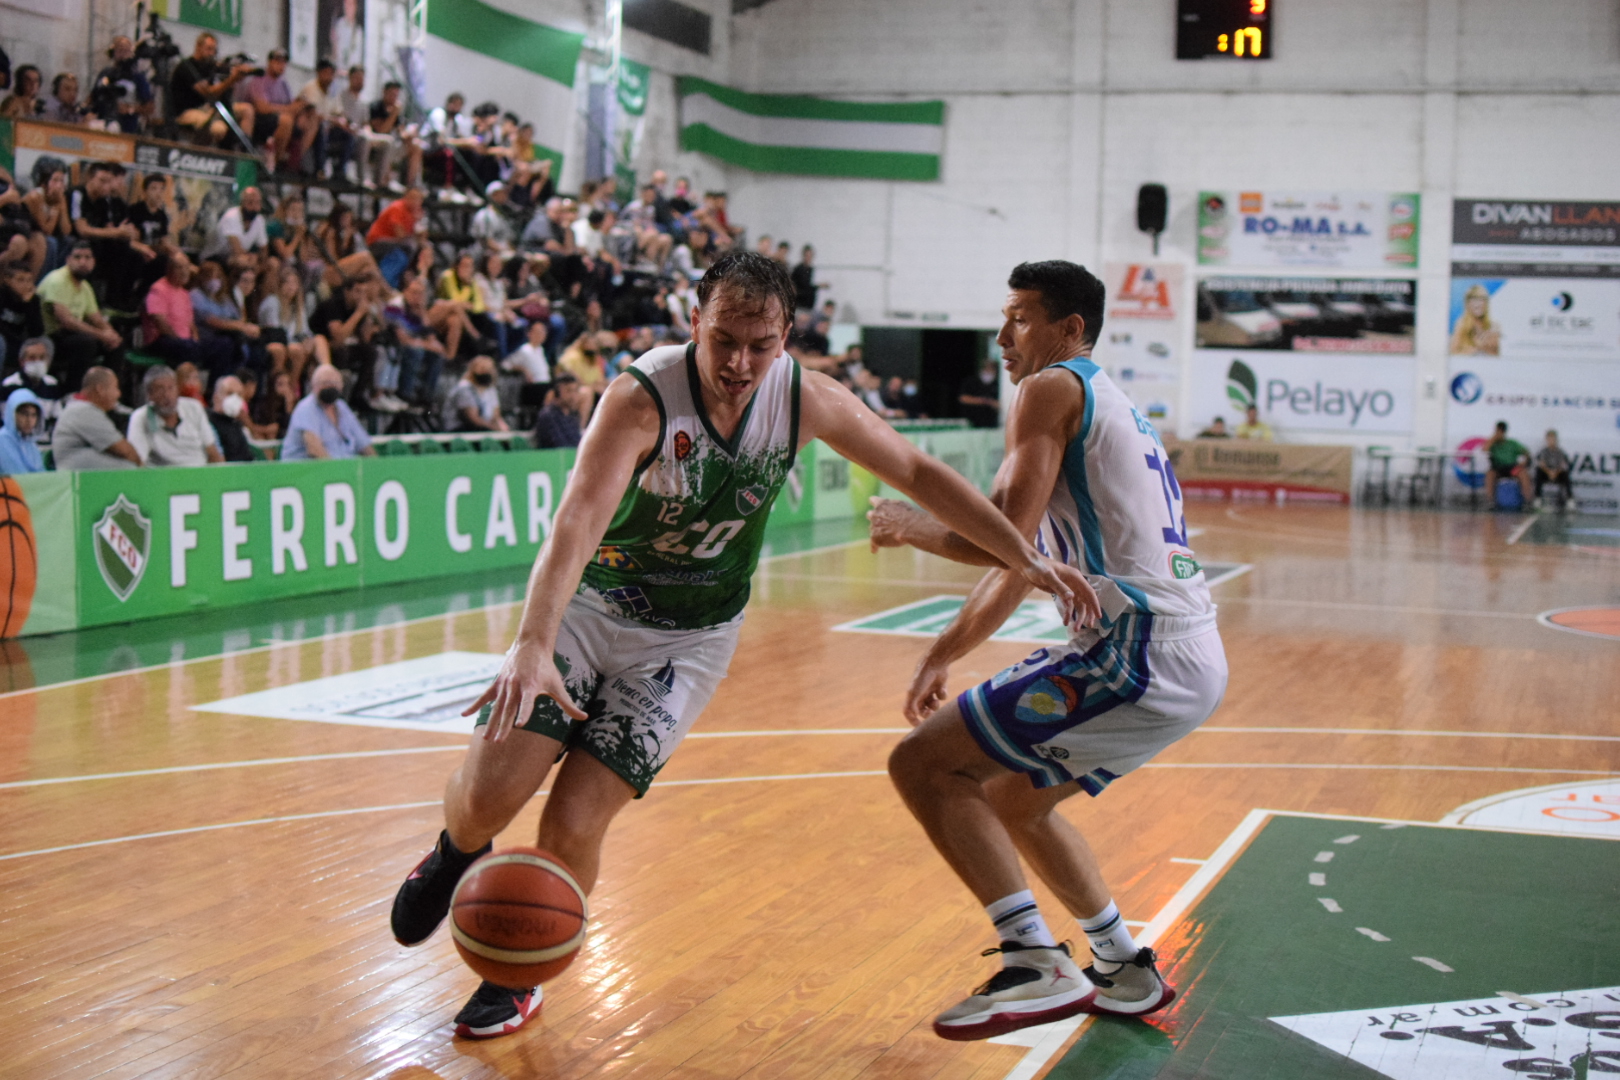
x=1074, y=469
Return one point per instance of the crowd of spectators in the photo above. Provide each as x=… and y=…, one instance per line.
x=481, y=301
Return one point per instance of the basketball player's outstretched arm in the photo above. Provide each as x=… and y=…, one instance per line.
x=1044, y=416
x=831, y=413
x=623, y=432
x=988, y=606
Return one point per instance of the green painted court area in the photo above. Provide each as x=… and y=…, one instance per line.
x=1577, y=530
x=1385, y=951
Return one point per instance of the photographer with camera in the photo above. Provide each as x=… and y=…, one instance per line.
x=121, y=94
x=199, y=81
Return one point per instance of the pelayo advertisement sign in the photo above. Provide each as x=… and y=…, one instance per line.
x=1349, y=230
x=160, y=542
x=1303, y=391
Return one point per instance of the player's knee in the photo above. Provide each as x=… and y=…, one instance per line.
x=909, y=763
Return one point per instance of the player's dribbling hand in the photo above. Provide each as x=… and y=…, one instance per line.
x=1075, y=596
x=528, y=673
x=889, y=518
x=926, y=692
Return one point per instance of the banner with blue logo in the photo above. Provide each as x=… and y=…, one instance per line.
x=1534, y=338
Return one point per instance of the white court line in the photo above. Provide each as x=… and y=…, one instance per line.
x=401, y=806
x=1402, y=732
x=334, y=635
x=1392, y=609
x=1545, y=619
x=1513, y=537
x=1388, y=768
x=251, y=762
x=229, y=765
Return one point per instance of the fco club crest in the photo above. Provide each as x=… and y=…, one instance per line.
x=122, y=541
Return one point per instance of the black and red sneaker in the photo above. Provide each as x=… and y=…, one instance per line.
x=423, y=899
x=493, y=1011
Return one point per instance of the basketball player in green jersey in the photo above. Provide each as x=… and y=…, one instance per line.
x=634, y=605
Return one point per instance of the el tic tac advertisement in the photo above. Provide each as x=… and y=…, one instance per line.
x=1142, y=334
x=1534, y=336
x=1347, y=230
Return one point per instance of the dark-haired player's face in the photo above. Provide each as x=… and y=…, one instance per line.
x=1030, y=339
x=736, y=346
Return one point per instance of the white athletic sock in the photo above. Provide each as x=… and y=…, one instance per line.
x=1017, y=918
x=1110, y=940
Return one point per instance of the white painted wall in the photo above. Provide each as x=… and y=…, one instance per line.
x=1056, y=110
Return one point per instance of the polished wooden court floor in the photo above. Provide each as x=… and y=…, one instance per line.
x=769, y=910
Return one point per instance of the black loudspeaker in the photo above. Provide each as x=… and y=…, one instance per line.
x=1152, y=206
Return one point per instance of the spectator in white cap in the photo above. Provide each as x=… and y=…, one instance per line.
x=490, y=226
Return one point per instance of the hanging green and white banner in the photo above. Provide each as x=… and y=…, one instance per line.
x=630, y=97
x=485, y=53
x=224, y=16
x=788, y=133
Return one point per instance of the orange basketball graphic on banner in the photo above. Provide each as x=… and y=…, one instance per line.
x=19, y=559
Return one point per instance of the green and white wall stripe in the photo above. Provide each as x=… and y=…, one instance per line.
x=789, y=133
x=489, y=54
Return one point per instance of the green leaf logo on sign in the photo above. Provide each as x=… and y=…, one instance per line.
x=123, y=540
x=1241, y=385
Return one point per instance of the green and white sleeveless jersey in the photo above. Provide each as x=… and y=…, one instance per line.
x=684, y=543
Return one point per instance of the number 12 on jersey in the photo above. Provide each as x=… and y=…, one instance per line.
x=1176, y=531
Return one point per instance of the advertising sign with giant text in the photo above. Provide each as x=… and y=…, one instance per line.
x=1303, y=392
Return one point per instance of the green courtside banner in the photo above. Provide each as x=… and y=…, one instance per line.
x=787, y=133
x=96, y=548
x=164, y=541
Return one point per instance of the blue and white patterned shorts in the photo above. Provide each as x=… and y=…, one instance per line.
x=1092, y=714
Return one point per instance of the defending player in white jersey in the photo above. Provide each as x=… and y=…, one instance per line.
x=1087, y=475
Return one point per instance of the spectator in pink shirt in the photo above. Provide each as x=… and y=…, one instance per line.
x=170, y=324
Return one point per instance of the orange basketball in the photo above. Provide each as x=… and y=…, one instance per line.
x=518, y=916
x=19, y=558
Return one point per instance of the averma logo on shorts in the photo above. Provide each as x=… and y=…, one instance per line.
x=1467, y=387
x=1241, y=385
x=122, y=540
x=662, y=684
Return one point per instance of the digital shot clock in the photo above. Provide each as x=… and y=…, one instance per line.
x=1224, y=29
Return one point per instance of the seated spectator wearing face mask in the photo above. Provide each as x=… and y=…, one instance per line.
x=323, y=425
x=33, y=374
x=18, y=451
x=230, y=409
x=171, y=430
x=474, y=404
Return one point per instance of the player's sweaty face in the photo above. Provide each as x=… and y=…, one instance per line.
x=736, y=347
x=1029, y=338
